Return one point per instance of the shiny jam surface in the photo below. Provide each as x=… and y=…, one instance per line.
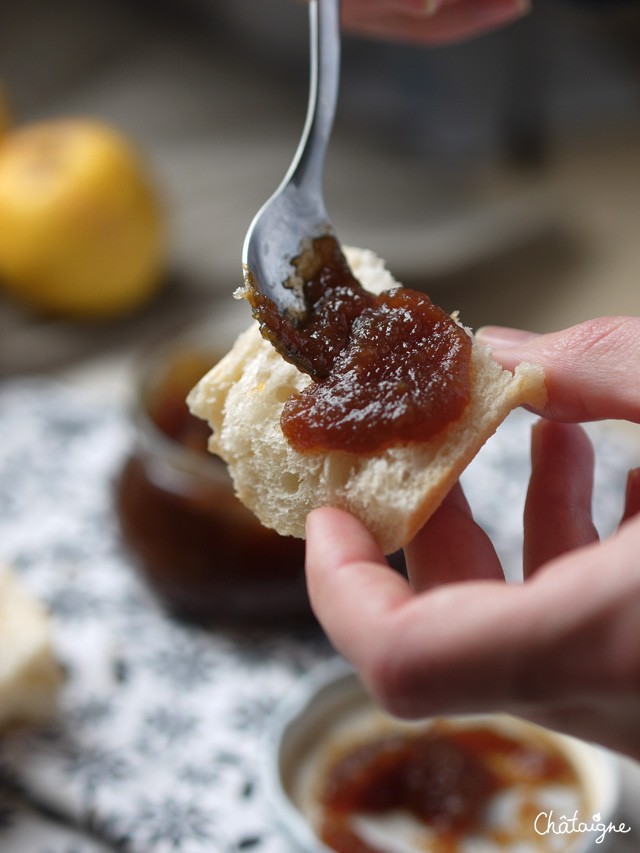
x=387, y=369
x=444, y=777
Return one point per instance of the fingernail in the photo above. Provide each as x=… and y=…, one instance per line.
x=514, y=6
x=430, y=7
x=537, y=439
x=502, y=336
x=632, y=494
x=500, y=11
x=421, y=8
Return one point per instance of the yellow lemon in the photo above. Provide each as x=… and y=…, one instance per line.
x=81, y=226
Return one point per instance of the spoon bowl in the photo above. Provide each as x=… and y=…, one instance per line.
x=281, y=235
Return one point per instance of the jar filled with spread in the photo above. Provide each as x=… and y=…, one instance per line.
x=200, y=550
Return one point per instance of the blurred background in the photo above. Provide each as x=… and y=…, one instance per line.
x=500, y=175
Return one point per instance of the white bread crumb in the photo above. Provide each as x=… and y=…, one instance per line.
x=30, y=676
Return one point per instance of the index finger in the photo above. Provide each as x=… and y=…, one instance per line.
x=591, y=369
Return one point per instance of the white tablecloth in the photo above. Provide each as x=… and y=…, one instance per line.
x=159, y=743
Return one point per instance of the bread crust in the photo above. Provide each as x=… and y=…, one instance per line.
x=393, y=492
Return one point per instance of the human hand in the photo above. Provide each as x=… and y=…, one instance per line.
x=560, y=649
x=429, y=21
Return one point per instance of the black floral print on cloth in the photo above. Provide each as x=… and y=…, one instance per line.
x=158, y=744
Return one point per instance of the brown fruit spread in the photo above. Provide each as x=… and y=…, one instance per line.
x=443, y=777
x=203, y=552
x=388, y=369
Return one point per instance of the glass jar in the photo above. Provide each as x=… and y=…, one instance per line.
x=200, y=550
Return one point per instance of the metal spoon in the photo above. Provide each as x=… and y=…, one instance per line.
x=284, y=228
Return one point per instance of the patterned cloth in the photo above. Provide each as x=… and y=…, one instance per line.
x=160, y=741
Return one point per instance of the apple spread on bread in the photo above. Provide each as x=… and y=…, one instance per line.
x=374, y=402
x=387, y=368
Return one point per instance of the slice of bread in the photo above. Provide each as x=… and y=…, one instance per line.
x=395, y=491
x=30, y=676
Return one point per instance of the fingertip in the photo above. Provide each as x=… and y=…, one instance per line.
x=557, y=515
x=457, y=498
x=431, y=22
x=559, y=442
x=419, y=8
x=451, y=547
x=502, y=336
x=317, y=520
x=508, y=346
x=351, y=587
x=337, y=536
x=632, y=495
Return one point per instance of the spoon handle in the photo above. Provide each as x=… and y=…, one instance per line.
x=306, y=169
